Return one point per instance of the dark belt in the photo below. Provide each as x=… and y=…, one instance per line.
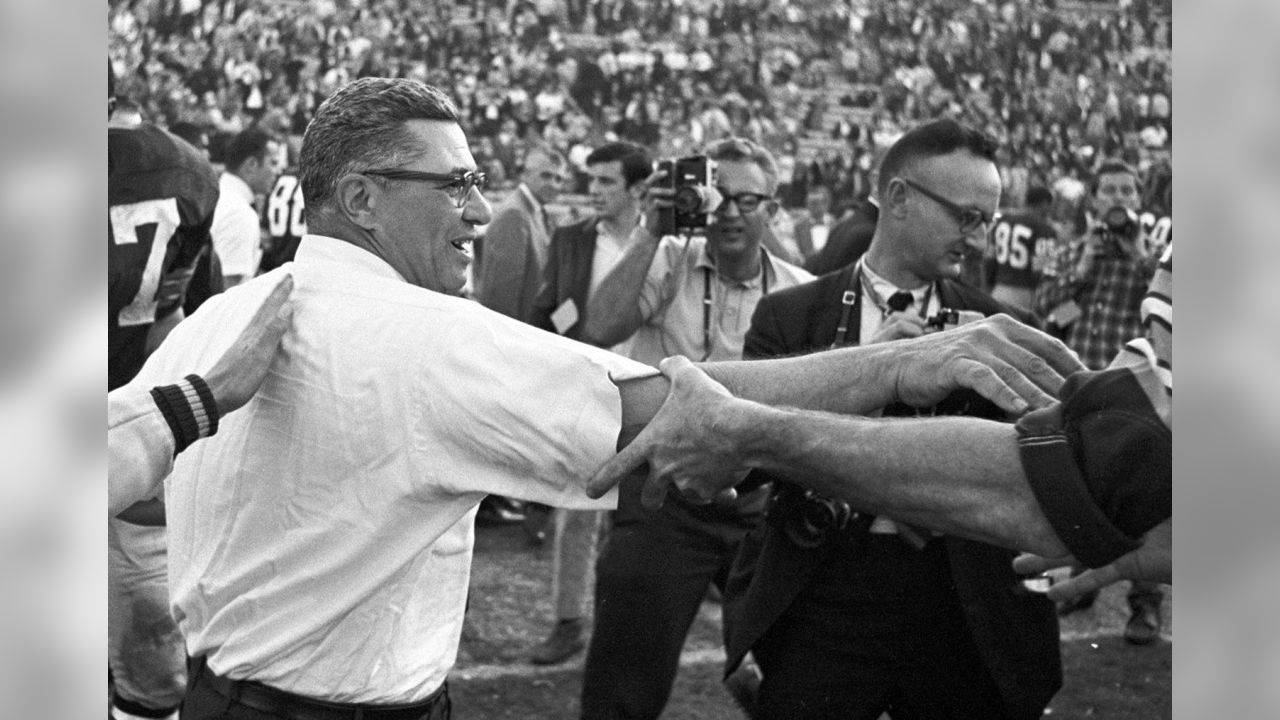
x=266, y=699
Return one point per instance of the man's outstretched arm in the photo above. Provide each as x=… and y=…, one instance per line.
x=703, y=436
x=963, y=476
x=957, y=475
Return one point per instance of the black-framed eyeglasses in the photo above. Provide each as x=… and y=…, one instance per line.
x=456, y=185
x=969, y=218
x=747, y=202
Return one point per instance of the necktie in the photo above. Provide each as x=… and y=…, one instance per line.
x=901, y=300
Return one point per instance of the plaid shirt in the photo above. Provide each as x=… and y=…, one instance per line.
x=1110, y=301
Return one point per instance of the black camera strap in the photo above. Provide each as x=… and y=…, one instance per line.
x=851, y=301
x=706, y=300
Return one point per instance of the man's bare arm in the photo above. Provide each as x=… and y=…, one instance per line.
x=961, y=476
x=957, y=475
x=613, y=309
x=1011, y=364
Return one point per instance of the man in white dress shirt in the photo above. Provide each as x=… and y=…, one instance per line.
x=254, y=158
x=320, y=542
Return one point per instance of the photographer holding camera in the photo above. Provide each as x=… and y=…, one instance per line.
x=1092, y=295
x=689, y=294
x=848, y=613
x=1092, y=291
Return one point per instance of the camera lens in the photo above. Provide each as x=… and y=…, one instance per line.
x=689, y=200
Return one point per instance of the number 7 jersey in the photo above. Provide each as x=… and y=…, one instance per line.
x=160, y=198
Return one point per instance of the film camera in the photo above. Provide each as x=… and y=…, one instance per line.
x=808, y=519
x=1118, y=223
x=947, y=317
x=693, y=180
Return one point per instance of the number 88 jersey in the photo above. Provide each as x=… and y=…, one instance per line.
x=160, y=198
x=284, y=220
x=1019, y=247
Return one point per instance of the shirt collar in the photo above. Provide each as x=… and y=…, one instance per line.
x=884, y=288
x=705, y=262
x=233, y=185
x=326, y=250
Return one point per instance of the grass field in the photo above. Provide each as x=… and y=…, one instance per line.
x=510, y=609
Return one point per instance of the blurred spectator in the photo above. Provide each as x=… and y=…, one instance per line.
x=515, y=242
x=253, y=161
x=812, y=229
x=1020, y=246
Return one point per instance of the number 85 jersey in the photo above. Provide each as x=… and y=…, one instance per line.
x=1020, y=246
x=160, y=198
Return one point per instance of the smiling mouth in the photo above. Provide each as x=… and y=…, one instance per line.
x=463, y=245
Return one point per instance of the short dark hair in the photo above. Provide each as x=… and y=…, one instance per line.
x=1113, y=167
x=934, y=138
x=247, y=144
x=636, y=164
x=361, y=126
x=740, y=149
x=1039, y=195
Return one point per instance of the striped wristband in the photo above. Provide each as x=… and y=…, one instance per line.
x=189, y=408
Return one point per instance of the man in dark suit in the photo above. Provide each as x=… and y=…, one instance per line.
x=851, y=615
x=516, y=242
x=581, y=255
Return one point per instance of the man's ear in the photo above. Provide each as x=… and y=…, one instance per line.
x=894, y=200
x=771, y=207
x=357, y=197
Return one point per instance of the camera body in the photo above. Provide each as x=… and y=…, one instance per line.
x=693, y=180
x=809, y=520
x=1116, y=224
x=947, y=318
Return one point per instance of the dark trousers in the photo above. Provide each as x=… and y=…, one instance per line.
x=877, y=629
x=651, y=578
x=208, y=699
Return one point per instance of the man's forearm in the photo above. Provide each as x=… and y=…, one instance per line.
x=612, y=313
x=849, y=380
x=855, y=380
x=959, y=476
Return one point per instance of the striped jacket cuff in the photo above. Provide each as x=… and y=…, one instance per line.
x=189, y=408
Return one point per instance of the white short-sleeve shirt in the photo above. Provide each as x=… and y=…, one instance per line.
x=321, y=541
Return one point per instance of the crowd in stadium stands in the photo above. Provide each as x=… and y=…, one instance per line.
x=825, y=85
